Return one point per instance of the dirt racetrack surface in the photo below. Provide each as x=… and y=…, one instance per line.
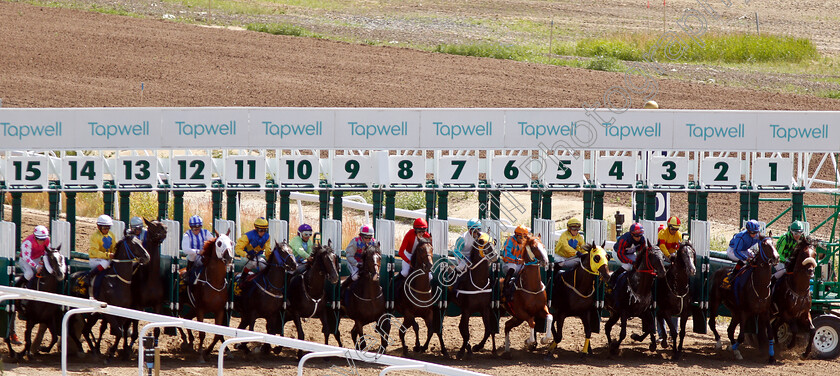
x=64, y=58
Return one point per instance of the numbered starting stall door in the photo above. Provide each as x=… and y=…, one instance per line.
x=331, y=231
x=772, y=173
x=7, y=242
x=651, y=231
x=406, y=170
x=510, y=171
x=385, y=236
x=720, y=173
x=299, y=171
x=60, y=236
x=27, y=172
x=439, y=229
x=170, y=256
x=118, y=229
x=136, y=172
x=278, y=230
x=190, y=171
x=82, y=172
x=7, y=263
x=224, y=226
x=457, y=171
x=244, y=171
x=667, y=172
x=563, y=171
x=616, y=171
x=701, y=240
x=493, y=227
x=596, y=231
x=544, y=228
x=351, y=171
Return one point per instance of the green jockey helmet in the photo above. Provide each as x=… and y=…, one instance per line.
x=797, y=226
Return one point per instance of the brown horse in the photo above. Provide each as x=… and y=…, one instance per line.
x=307, y=290
x=754, y=299
x=147, y=286
x=209, y=293
x=363, y=301
x=474, y=294
x=263, y=297
x=529, y=297
x=792, y=297
x=675, y=298
x=574, y=292
x=635, y=297
x=416, y=298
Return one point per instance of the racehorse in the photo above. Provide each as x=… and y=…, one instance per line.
x=475, y=294
x=147, y=286
x=750, y=299
x=415, y=298
x=632, y=296
x=792, y=297
x=529, y=298
x=209, y=293
x=574, y=292
x=115, y=290
x=47, y=314
x=307, y=290
x=263, y=296
x=675, y=298
x=364, y=302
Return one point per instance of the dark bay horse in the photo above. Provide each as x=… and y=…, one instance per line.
x=574, y=292
x=115, y=290
x=754, y=296
x=792, y=297
x=263, y=296
x=634, y=298
x=416, y=298
x=363, y=300
x=675, y=298
x=147, y=286
x=209, y=293
x=475, y=294
x=529, y=297
x=308, y=290
x=47, y=314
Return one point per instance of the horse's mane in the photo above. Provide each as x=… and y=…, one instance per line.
x=423, y=240
x=208, y=247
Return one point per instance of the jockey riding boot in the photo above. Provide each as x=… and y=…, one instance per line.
x=20, y=281
x=727, y=281
x=510, y=279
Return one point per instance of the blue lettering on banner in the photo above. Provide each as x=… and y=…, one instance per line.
x=622, y=131
x=788, y=133
x=695, y=131
x=108, y=130
x=538, y=130
x=196, y=130
x=25, y=130
x=455, y=130
x=374, y=130
x=282, y=130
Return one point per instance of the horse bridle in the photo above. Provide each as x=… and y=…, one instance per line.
x=132, y=260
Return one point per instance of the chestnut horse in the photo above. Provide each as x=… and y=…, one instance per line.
x=529, y=297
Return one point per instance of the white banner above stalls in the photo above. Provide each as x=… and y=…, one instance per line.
x=462, y=129
x=200, y=128
x=549, y=129
x=377, y=129
x=709, y=130
x=291, y=128
x=790, y=131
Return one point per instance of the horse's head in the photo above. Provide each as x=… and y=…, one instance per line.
x=372, y=261
x=282, y=257
x=806, y=257
x=535, y=251
x=422, y=256
x=223, y=248
x=594, y=260
x=685, y=258
x=767, y=254
x=54, y=262
x=328, y=261
x=131, y=249
x=155, y=231
x=483, y=247
x=650, y=260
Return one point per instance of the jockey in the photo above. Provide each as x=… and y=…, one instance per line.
x=31, y=251
x=669, y=238
x=410, y=241
x=785, y=246
x=464, y=244
x=625, y=248
x=354, y=250
x=512, y=256
x=742, y=248
x=255, y=245
x=102, y=244
x=193, y=242
x=137, y=228
x=303, y=243
x=570, y=243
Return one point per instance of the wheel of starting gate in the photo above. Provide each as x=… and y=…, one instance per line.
x=826, y=337
x=784, y=335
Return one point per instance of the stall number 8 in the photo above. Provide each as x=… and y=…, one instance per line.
x=405, y=171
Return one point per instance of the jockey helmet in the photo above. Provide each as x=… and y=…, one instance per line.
x=573, y=224
x=135, y=222
x=474, y=224
x=260, y=223
x=195, y=221
x=753, y=226
x=305, y=230
x=637, y=229
x=651, y=105
x=104, y=220
x=521, y=230
x=674, y=222
x=41, y=232
x=420, y=223
x=366, y=230
x=797, y=226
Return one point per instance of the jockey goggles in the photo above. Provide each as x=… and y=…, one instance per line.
x=306, y=233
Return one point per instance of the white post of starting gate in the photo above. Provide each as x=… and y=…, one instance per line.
x=439, y=229
x=651, y=232
x=278, y=230
x=493, y=227
x=385, y=236
x=702, y=241
x=596, y=231
x=118, y=228
x=544, y=228
x=170, y=251
x=331, y=231
x=223, y=226
x=7, y=254
x=60, y=235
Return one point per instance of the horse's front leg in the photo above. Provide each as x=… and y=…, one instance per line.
x=510, y=324
x=811, y=332
x=765, y=335
x=220, y=320
x=608, y=330
x=548, y=337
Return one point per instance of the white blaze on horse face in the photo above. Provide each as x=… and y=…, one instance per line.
x=224, y=246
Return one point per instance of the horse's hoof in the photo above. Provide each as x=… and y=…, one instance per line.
x=738, y=355
x=460, y=354
x=186, y=347
x=652, y=346
x=506, y=355
x=445, y=354
x=419, y=349
x=676, y=356
x=772, y=360
x=532, y=347
x=546, y=340
x=613, y=349
x=718, y=346
x=477, y=348
x=663, y=343
x=277, y=349
x=636, y=337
